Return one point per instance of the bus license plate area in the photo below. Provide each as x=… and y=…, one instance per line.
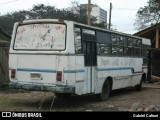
x=35, y=76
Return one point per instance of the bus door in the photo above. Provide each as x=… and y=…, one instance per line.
x=90, y=60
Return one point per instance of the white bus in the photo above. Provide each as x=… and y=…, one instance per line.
x=67, y=58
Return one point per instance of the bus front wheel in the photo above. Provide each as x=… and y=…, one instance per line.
x=139, y=86
x=105, y=93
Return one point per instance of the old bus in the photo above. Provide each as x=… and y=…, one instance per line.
x=67, y=58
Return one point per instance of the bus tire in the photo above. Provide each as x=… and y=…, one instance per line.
x=139, y=86
x=105, y=93
x=63, y=95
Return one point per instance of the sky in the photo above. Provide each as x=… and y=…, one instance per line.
x=123, y=11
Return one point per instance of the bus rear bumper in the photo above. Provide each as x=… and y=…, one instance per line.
x=42, y=87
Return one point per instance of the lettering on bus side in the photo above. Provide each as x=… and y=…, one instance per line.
x=115, y=62
x=130, y=62
x=105, y=62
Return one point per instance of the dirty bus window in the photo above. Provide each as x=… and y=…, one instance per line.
x=77, y=40
x=40, y=37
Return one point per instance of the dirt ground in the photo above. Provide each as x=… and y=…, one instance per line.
x=120, y=100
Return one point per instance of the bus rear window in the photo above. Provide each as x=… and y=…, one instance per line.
x=46, y=36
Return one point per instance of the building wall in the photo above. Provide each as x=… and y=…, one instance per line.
x=153, y=33
x=98, y=12
x=155, y=62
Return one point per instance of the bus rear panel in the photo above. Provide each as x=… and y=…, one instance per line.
x=38, y=57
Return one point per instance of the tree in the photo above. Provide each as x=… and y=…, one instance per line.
x=6, y=24
x=148, y=15
x=41, y=11
x=37, y=12
x=7, y=21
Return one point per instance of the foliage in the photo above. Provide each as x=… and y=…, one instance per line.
x=41, y=11
x=148, y=15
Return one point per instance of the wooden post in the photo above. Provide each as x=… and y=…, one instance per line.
x=110, y=12
x=157, y=38
x=89, y=12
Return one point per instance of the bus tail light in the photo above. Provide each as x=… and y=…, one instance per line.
x=13, y=73
x=59, y=76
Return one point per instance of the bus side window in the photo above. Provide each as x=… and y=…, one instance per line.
x=137, y=47
x=128, y=51
x=103, y=43
x=77, y=40
x=117, y=45
x=103, y=49
x=128, y=47
x=145, y=53
x=117, y=50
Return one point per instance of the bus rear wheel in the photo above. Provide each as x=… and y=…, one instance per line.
x=106, y=89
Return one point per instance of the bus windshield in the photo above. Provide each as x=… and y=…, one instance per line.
x=46, y=36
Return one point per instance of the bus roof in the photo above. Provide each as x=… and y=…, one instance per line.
x=80, y=24
x=111, y=31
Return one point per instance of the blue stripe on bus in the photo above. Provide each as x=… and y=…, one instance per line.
x=110, y=69
x=73, y=71
x=47, y=71
x=36, y=70
x=138, y=72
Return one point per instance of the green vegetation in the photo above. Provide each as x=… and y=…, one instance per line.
x=148, y=15
x=41, y=11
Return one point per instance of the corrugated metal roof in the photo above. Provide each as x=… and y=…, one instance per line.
x=149, y=29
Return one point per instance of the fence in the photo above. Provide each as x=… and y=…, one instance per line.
x=4, y=69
